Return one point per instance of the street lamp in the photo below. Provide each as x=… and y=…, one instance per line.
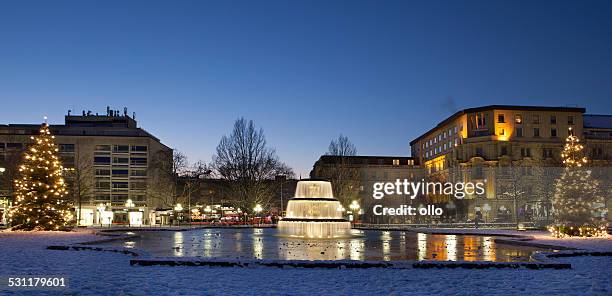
x=354, y=206
x=198, y=176
x=486, y=208
x=129, y=204
x=178, y=208
x=257, y=210
x=100, y=208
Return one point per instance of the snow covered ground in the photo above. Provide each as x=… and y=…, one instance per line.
x=102, y=273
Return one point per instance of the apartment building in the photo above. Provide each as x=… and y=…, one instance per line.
x=109, y=162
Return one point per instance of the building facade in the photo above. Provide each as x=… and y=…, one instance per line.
x=109, y=164
x=506, y=147
x=364, y=172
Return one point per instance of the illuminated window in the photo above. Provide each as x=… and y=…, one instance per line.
x=396, y=162
x=518, y=119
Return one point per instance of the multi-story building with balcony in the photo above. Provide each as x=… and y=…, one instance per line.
x=109, y=164
x=480, y=144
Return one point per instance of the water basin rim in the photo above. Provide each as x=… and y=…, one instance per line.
x=314, y=198
x=313, y=220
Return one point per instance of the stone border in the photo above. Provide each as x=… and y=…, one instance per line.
x=99, y=249
x=348, y=264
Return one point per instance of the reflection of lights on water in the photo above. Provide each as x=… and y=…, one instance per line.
x=238, y=240
x=129, y=233
x=402, y=243
x=129, y=245
x=488, y=248
x=178, y=244
x=207, y=252
x=470, y=248
x=357, y=249
x=258, y=246
x=422, y=245
x=257, y=231
x=451, y=247
x=386, y=245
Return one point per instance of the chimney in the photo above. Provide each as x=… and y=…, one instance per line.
x=124, y=111
x=107, y=110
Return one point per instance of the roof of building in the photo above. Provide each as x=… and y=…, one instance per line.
x=77, y=130
x=597, y=121
x=497, y=107
x=361, y=159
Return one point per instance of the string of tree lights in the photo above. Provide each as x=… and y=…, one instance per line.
x=40, y=189
x=578, y=203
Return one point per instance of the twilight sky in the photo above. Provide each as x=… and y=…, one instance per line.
x=380, y=72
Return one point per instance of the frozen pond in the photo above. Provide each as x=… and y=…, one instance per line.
x=258, y=243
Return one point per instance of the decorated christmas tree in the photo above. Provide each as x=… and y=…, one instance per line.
x=577, y=203
x=40, y=191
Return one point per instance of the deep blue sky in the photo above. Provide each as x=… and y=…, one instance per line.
x=381, y=72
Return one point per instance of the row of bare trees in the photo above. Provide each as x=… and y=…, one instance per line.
x=173, y=179
x=243, y=159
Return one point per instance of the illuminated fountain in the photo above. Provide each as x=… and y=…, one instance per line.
x=314, y=213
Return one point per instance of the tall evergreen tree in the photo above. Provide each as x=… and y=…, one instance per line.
x=577, y=203
x=40, y=190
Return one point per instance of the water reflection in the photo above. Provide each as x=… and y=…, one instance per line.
x=386, y=245
x=371, y=245
x=258, y=244
x=357, y=246
x=178, y=244
x=451, y=247
x=488, y=248
x=422, y=245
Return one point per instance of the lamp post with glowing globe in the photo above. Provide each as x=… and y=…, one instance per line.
x=257, y=209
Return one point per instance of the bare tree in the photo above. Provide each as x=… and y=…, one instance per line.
x=244, y=159
x=343, y=175
x=520, y=183
x=341, y=146
x=80, y=181
x=164, y=173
